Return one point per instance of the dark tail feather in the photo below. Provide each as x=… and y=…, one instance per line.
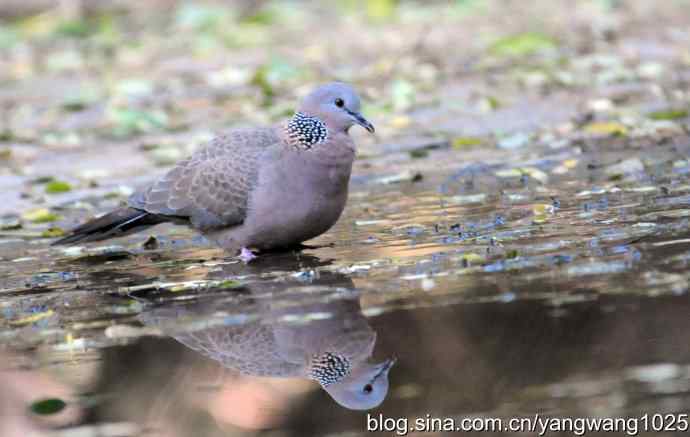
x=114, y=224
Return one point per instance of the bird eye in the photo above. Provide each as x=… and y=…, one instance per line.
x=368, y=389
x=339, y=102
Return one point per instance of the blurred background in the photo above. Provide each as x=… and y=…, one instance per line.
x=517, y=226
x=153, y=79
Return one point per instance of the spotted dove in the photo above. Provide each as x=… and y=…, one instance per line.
x=329, y=342
x=260, y=188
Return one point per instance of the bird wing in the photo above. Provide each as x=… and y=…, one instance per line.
x=211, y=188
x=249, y=349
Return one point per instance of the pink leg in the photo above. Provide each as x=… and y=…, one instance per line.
x=246, y=255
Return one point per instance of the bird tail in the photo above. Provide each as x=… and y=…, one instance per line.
x=117, y=223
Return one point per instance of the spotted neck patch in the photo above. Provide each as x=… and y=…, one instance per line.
x=304, y=131
x=329, y=368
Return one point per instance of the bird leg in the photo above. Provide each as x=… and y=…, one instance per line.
x=246, y=255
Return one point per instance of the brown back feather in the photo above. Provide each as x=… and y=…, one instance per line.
x=212, y=187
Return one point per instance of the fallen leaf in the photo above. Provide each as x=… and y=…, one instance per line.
x=522, y=44
x=53, y=233
x=229, y=283
x=465, y=142
x=668, y=114
x=55, y=187
x=45, y=407
x=32, y=318
x=606, y=128
x=41, y=215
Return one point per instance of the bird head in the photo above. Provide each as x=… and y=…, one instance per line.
x=337, y=105
x=364, y=388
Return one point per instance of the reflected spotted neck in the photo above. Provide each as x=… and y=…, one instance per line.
x=329, y=368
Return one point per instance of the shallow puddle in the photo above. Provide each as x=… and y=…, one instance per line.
x=471, y=292
x=516, y=241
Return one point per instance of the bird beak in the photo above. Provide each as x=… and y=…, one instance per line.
x=384, y=367
x=361, y=121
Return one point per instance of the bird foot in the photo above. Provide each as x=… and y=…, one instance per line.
x=246, y=255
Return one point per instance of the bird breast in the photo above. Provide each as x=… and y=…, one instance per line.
x=298, y=197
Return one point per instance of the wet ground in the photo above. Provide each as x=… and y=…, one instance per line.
x=517, y=234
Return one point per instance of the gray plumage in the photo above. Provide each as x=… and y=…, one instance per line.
x=212, y=187
x=262, y=188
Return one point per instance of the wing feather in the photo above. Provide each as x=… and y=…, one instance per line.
x=212, y=187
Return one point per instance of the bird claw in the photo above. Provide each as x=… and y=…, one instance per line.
x=246, y=255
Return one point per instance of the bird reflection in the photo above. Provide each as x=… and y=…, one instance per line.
x=295, y=330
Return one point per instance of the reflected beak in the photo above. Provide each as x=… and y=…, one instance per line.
x=361, y=121
x=384, y=367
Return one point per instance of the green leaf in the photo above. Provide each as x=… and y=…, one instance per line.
x=668, y=114
x=80, y=100
x=271, y=75
x=8, y=37
x=381, y=9
x=128, y=122
x=53, y=233
x=260, y=80
x=6, y=136
x=47, y=406
x=55, y=187
x=74, y=28
x=263, y=17
x=522, y=44
x=73, y=106
x=229, y=283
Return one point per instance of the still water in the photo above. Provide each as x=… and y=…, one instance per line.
x=447, y=290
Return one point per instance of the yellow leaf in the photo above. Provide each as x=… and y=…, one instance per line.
x=542, y=208
x=465, y=142
x=472, y=258
x=41, y=215
x=400, y=122
x=606, y=128
x=542, y=212
x=535, y=174
x=570, y=163
x=39, y=25
x=522, y=44
x=32, y=318
x=53, y=233
x=509, y=173
x=381, y=9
